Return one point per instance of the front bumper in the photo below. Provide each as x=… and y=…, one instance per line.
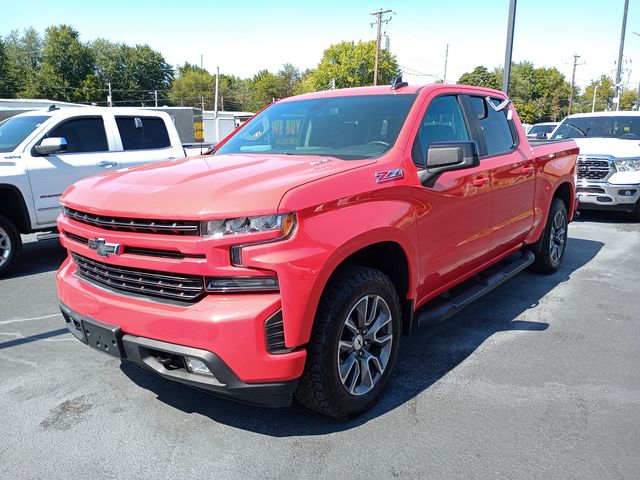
x=594, y=195
x=226, y=331
x=154, y=356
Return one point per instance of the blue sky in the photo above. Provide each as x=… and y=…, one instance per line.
x=244, y=37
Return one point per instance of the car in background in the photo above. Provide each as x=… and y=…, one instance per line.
x=541, y=130
x=609, y=161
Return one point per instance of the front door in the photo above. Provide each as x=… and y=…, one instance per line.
x=87, y=154
x=454, y=227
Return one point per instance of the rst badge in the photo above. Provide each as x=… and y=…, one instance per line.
x=388, y=175
x=103, y=248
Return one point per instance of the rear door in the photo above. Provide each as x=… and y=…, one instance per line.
x=512, y=172
x=454, y=226
x=88, y=153
x=144, y=139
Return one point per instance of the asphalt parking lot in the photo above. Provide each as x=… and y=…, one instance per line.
x=539, y=379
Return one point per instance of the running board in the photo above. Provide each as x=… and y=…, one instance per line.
x=47, y=236
x=431, y=315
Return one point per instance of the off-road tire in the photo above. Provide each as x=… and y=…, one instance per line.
x=545, y=261
x=320, y=387
x=10, y=244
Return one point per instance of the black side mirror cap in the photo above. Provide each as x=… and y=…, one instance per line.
x=446, y=157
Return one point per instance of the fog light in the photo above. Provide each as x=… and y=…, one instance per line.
x=627, y=193
x=195, y=365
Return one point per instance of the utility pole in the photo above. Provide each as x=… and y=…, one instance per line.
x=155, y=97
x=446, y=59
x=215, y=106
x=620, y=53
x=109, y=102
x=593, y=105
x=573, y=81
x=379, y=21
x=509, y=48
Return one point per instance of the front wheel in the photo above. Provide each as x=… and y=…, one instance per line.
x=10, y=244
x=354, y=344
x=549, y=250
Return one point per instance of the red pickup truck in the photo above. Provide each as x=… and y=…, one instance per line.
x=292, y=260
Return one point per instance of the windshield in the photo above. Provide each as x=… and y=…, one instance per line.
x=608, y=127
x=345, y=127
x=541, y=129
x=14, y=130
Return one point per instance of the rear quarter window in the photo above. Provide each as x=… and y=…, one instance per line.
x=143, y=133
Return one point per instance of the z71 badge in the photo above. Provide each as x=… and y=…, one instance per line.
x=388, y=175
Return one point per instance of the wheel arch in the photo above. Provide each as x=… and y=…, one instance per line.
x=391, y=259
x=14, y=207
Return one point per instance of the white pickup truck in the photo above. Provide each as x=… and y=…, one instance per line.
x=43, y=152
x=609, y=161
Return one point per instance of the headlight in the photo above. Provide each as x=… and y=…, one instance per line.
x=628, y=165
x=282, y=223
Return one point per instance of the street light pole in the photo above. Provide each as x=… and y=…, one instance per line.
x=593, y=105
x=509, y=47
x=621, y=51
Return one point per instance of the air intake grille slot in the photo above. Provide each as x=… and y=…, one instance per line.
x=148, y=283
x=161, y=227
x=594, y=169
x=274, y=329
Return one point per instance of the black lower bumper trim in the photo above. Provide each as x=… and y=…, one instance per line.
x=168, y=360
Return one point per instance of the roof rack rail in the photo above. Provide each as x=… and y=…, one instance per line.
x=397, y=83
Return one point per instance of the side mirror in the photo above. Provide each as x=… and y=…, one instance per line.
x=52, y=145
x=448, y=156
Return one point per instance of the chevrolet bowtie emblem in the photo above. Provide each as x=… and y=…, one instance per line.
x=103, y=248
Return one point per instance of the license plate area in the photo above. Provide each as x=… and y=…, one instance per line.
x=103, y=337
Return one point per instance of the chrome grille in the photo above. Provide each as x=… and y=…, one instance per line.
x=163, y=227
x=594, y=168
x=148, y=283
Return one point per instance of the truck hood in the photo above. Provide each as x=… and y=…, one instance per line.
x=202, y=187
x=615, y=147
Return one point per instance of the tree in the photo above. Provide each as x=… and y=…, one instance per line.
x=192, y=86
x=66, y=62
x=539, y=94
x=23, y=56
x=351, y=65
x=604, y=95
x=133, y=72
x=481, y=77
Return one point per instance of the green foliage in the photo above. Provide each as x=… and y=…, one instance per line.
x=192, y=86
x=539, y=94
x=481, y=77
x=23, y=56
x=352, y=64
x=604, y=96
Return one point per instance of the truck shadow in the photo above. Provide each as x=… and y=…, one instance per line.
x=603, y=217
x=38, y=257
x=424, y=358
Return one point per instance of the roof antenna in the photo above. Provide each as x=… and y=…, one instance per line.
x=52, y=107
x=398, y=83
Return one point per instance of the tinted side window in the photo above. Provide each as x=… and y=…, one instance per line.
x=82, y=135
x=442, y=122
x=494, y=126
x=140, y=133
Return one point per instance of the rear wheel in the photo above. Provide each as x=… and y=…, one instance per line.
x=354, y=344
x=549, y=250
x=10, y=244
